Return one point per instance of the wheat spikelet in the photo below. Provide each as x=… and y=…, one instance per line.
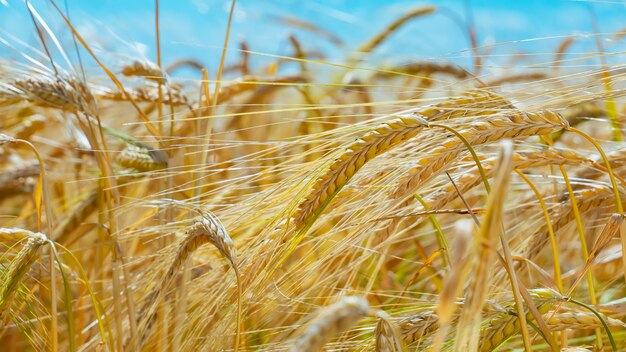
x=521, y=160
x=18, y=267
x=385, y=137
x=331, y=321
x=513, y=125
x=617, y=159
x=418, y=326
x=145, y=69
x=388, y=337
x=503, y=326
x=558, y=321
x=63, y=94
x=149, y=94
x=562, y=214
x=206, y=229
x=142, y=159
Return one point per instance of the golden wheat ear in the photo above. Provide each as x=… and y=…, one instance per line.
x=206, y=229
x=18, y=268
x=331, y=321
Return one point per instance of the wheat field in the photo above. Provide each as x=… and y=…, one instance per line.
x=303, y=203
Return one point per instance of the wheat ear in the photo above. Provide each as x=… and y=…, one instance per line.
x=382, y=139
x=558, y=321
x=63, y=94
x=510, y=125
x=388, y=336
x=331, y=321
x=417, y=326
x=18, y=267
x=142, y=159
x=503, y=326
x=145, y=69
x=206, y=229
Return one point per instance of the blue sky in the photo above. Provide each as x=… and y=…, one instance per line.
x=119, y=29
